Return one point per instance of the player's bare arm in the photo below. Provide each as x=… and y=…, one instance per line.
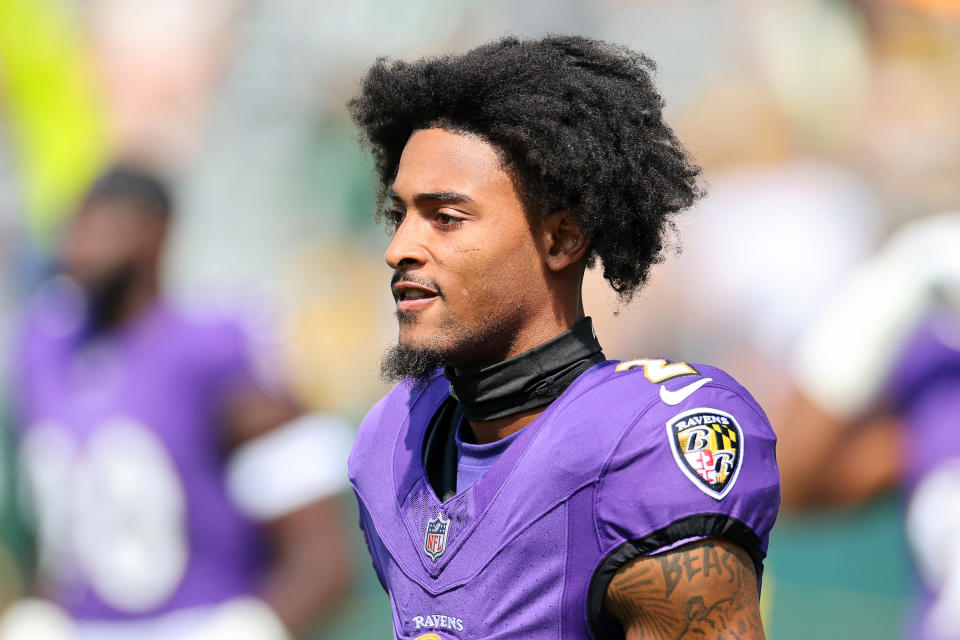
x=706, y=590
x=829, y=460
x=310, y=570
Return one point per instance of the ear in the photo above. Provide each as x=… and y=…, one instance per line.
x=565, y=243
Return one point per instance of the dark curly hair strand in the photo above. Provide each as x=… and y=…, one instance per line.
x=578, y=122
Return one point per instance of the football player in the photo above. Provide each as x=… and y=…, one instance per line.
x=878, y=390
x=516, y=483
x=176, y=494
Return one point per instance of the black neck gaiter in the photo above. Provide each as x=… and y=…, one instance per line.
x=532, y=379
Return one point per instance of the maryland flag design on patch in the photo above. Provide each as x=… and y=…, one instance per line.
x=708, y=446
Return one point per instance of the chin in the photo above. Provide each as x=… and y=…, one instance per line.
x=418, y=338
x=417, y=333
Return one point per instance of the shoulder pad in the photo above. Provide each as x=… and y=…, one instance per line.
x=380, y=426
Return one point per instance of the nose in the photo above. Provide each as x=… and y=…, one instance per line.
x=407, y=247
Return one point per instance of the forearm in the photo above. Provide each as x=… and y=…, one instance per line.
x=827, y=461
x=311, y=569
x=807, y=436
x=303, y=595
x=286, y=471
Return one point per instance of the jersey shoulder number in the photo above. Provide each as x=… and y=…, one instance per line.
x=658, y=370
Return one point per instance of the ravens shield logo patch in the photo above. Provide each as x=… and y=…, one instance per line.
x=708, y=446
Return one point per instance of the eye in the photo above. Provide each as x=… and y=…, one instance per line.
x=394, y=217
x=446, y=220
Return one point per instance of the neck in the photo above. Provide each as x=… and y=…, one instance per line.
x=140, y=299
x=493, y=430
x=530, y=336
x=110, y=311
x=507, y=396
x=489, y=431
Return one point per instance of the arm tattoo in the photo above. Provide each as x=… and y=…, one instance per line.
x=702, y=591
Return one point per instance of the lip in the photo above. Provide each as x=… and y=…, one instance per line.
x=414, y=304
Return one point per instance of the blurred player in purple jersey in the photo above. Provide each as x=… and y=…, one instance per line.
x=877, y=405
x=175, y=494
x=516, y=483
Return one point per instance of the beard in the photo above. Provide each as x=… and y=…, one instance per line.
x=455, y=346
x=400, y=362
x=106, y=295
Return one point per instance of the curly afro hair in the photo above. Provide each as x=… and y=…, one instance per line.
x=577, y=121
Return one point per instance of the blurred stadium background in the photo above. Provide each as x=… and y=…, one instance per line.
x=821, y=126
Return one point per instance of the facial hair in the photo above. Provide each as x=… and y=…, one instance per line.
x=482, y=344
x=400, y=362
x=106, y=296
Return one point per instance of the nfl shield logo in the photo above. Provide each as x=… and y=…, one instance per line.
x=436, y=541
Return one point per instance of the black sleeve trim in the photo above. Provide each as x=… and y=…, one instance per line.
x=712, y=525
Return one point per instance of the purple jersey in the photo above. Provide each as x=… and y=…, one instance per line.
x=121, y=443
x=925, y=391
x=633, y=458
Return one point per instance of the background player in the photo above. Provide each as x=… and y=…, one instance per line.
x=878, y=389
x=176, y=493
x=536, y=489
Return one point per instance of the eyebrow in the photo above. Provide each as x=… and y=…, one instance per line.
x=433, y=196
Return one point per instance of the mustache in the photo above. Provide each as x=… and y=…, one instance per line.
x=400, y=276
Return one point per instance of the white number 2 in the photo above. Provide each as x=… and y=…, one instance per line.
x=658, y=370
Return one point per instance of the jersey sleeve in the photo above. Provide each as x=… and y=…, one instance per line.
x=930, y=426
x=686, y=470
